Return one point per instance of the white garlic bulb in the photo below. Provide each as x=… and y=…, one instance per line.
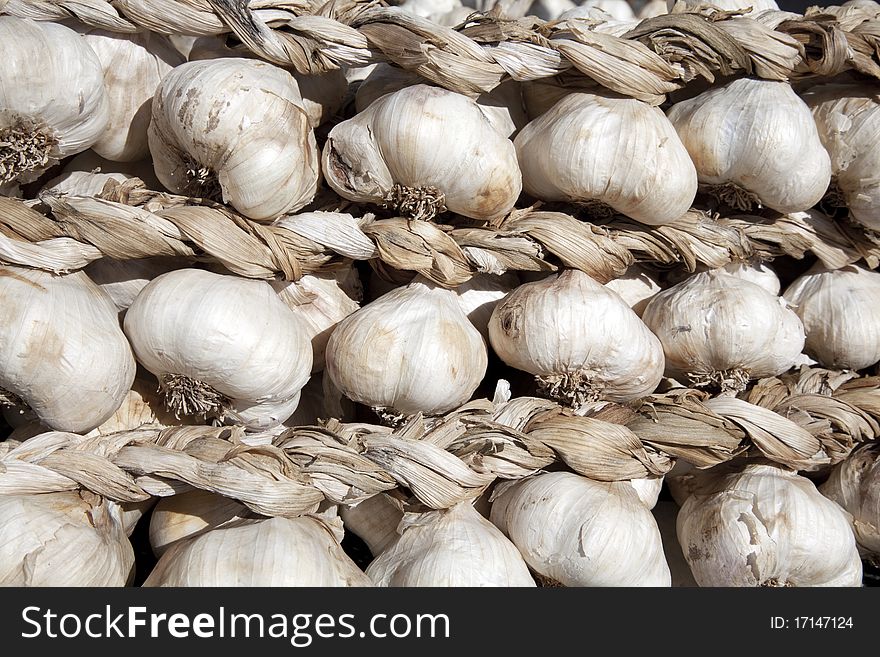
x=754, y=142
x=123, y=280
x=848, y=119
x=51, y=328
x=578, y=337
x=637, y=286
x=855, y=485
x=756, y=272
x=765, y=526
x=840, y=310
x=580, y=532
x=235, y=129
x=398, y=151
x=719, y=327
x=299, y=552
x=411, y=350
x=189, y=514
x=614, y=151
x=53, y=101
x=80, y=183
x=374, y=521
x=450, y=547
x=503, y=106
x=648, y=489
x=63, y=539
x=133, y=65
x=320, y=301
x=221, y=346
x=479, y=296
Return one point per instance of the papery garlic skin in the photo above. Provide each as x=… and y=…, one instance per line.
x=221, y=336
x=569, y=325
x=411, y=350
x=403, y=139
x=758, y=273
x=713, y=323
x=840, y=310
x=53, y=102
x=754, y=142
x=299, y=552
x=580, y=532
x=616, y=151
x=479, y=296
x=133, y=65
x=637, y=287
x=190, y=514
x=51, y=329
x=619, y=10
x=63, y=539
x=765, y=526
x=123, y=280
x=848, y=119
x=235, y=129
x=855, y=485
x=450, y=547
x=729, y=5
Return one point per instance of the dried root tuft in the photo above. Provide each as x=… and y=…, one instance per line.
x=419, y=203
x=186, y=396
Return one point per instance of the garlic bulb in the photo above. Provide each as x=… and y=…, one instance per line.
x=479, y=296
x=299, y=552
x=320, y=301
x=636, y=287
x=221, y=346
x=718, y=328
x=133, y=65
x=840, y=310
x=374, y=521
x=747, y=137
x=619, y=10
x=855, y=485
x=80, y=183
x=503, y=106
x=411, y=350
x=756, y=272
x=398, y=152
x=51, y=329
x=450, y=547
x=189, y=514
x=648, y=489
x=63, y=539
x=123, y=280
x=653, y=8
x=848, y=119
x=608, y=150
x=580, y=532
x=580, y=339
x=235, y=129
x=765, y=526
x=53, y=102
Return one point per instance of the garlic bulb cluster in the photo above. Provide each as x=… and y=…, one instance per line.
x=321, y=303
x=855, y=485
x=411, y=350
x=221, y=346
x=51, y=328
x=636, y=287
x=848, y=119
x=53, y=101
x=398, y=152
x=722, y=329
x=603, y=149
x=580, y=532
x=374, y=520
x=123, y=280
x=190, y=514
x=299, y=552
x=579, y=338
x=235, y=129
x=765, y=526
x=63, y=539
x=450, y=547
x=840, y=310
x=754, y=142
x=133, y=65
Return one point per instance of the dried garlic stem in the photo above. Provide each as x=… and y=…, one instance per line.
x=24, y=147
x=725, y=381
x=186, y=396
x=570, y=388
x=734, y=196
x=420, y=203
